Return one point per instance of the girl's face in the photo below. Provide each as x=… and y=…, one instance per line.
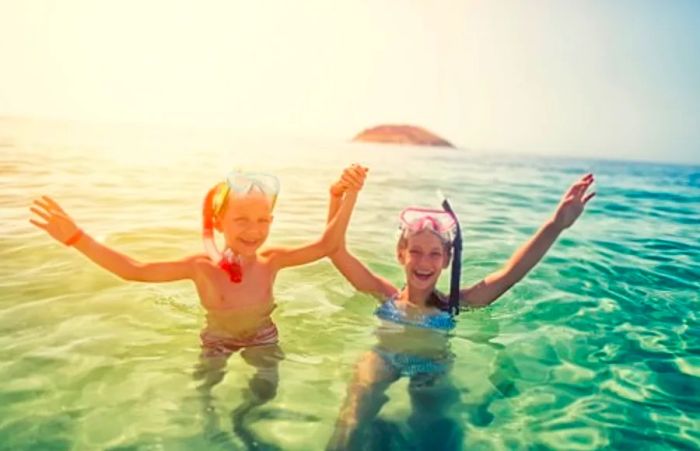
x=423, y=257
x=245, y=223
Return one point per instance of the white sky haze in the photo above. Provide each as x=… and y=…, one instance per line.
x=596, y=78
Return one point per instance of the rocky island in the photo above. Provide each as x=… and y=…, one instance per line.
x=401, y=134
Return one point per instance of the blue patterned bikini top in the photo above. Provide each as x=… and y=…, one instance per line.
x=390, y=312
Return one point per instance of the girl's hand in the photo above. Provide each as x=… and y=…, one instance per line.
x=573, y=202
x=57, y=222
x=352, y=179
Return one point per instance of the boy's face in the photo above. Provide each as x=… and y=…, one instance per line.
x=245, y=222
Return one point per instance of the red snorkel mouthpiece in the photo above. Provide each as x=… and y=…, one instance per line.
x=233, y=268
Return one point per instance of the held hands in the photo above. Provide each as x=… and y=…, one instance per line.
x=57, y=222
x=352, y=179
x=573, y=202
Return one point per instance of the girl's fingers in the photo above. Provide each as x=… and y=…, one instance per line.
x=354, y=186
x=360, y=174
x=359, y=170
x=353, y=178
x=355, y=172
x=588, y=197
x=40, y=213
x=579, y=188
x=38, y=224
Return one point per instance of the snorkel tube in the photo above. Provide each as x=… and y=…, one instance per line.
x=213, y=203
x=456, y=260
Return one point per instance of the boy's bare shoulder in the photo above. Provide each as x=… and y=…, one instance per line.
x=201, y=262
x=269, y=253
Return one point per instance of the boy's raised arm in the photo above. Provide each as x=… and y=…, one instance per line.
x=57, y=223
x=328, y=243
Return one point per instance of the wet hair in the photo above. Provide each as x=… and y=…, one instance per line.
x=438, y=301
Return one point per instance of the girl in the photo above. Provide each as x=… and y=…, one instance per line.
x=415, y=320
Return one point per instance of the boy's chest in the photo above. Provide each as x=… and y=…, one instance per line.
x=255, y=288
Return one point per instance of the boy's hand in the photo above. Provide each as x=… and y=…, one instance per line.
x=573, y=202
x=58, y=224
x=352, y=179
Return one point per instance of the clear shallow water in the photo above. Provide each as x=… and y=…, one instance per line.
x=598, y=347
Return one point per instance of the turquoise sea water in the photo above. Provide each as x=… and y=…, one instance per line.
x=599, y=347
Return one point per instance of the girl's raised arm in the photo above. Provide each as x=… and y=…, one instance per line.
x=361, y=277
x=528, y=255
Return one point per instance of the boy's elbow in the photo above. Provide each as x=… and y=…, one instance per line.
x=133, y=273
x=130, y=277
x=328, y=244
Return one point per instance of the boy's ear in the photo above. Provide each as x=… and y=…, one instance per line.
x=217, y=224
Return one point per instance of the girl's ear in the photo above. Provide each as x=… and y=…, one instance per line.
x=446, y=262
x=447, y=258
x=401, y=255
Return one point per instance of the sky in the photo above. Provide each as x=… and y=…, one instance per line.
x=590, y=78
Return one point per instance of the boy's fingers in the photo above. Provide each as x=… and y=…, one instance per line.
x=38, y=224
x=53, y=203
x=40, y=213
x=42, y=204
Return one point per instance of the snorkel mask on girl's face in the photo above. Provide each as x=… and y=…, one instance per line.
x=237, y=184
x=413, y=220
x=444, y=224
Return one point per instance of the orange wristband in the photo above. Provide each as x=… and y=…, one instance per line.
x=74, y=239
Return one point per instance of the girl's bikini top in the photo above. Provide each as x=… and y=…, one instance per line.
x=390, y=312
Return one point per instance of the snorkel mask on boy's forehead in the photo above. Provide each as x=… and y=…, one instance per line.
x=244, y=184
x=445, y=225
x=237, y=184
